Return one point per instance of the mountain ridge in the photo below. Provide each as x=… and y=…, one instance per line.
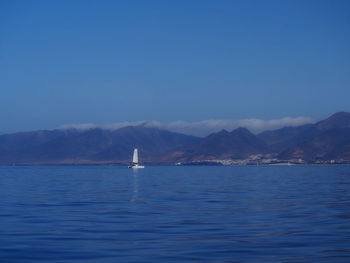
x=238, y=143
x=328, y=139
x=92, y=145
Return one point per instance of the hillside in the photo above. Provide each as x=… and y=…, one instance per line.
x=328, y=139
x=93, y=145
x=325, y=140
x=238, y=144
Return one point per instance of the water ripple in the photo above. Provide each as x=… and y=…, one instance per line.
x=173, y=214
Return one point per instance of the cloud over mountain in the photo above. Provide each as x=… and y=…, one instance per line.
x=205, y=127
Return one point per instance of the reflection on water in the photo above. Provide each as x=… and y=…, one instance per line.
x=135, y=183
x=175, y=214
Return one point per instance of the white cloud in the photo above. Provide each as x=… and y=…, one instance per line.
x=83, y=126
x=203, y=128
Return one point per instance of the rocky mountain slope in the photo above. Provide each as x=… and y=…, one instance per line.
x=93, y=145
x=325, y=140
x=238, y=144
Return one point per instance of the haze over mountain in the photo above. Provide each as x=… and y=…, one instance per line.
x=205, y=127
x=325, y=140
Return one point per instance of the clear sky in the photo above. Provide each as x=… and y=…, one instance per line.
x=70, y=62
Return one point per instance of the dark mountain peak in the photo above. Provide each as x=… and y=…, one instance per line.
x=280, y=139
x=336, y=121
x=243, y=134
x=222, y=132
x=340, y=114
x=338, y=117
x=241, y=131
x=327, y=139
x=239, y=143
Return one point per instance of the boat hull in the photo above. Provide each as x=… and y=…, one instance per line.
x=136, y=166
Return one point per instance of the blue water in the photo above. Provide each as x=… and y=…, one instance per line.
x=175, y=214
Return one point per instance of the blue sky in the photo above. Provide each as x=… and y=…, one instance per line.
x=71, y=62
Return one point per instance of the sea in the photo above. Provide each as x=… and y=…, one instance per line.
x=111, y=213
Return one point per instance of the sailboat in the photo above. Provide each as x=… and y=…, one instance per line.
x=135, y=161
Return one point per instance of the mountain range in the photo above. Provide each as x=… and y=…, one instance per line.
x=89, y=146
x=328, y=139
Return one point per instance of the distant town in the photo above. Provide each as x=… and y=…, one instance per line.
x=260, y=159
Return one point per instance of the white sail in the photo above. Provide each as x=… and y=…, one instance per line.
x=135, y=158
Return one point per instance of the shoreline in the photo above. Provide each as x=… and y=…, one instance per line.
x=168, y=164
